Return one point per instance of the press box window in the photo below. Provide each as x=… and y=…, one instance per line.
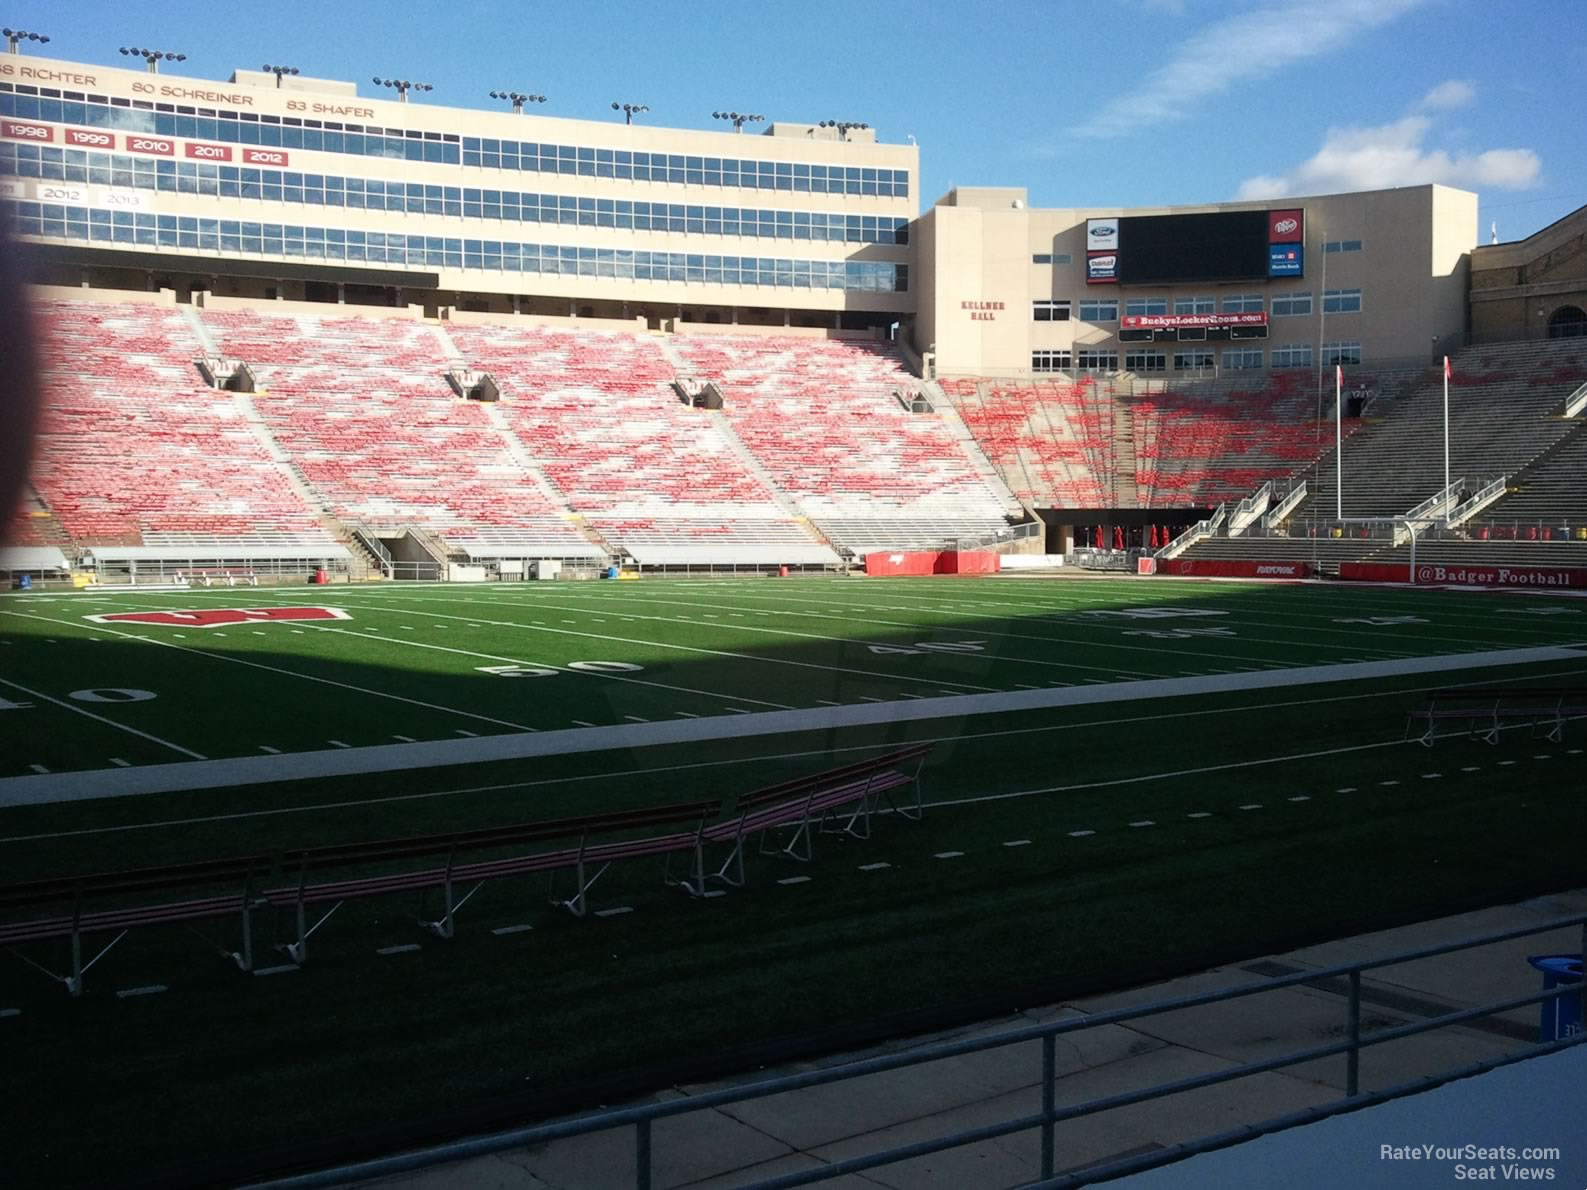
x=1341, y=301
x=1146, y=361
x=1291, y=304
x=1050, y=361
x=1049, y=311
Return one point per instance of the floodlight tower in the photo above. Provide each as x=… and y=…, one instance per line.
x=402, y=86
x=518, y=99
x=629, y=110
x=15, y=38
x=153, y=58
x=278, y=71
x=739, y=119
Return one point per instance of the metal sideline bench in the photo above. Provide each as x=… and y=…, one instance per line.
x=578, y=859
x=212, y=577
x=810, y=803
x=242, y=871
x=1486, y=710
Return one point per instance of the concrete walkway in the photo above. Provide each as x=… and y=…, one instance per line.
x=803, y=1129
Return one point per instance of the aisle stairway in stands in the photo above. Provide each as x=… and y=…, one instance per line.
x=362, y=407
x=134, y=448
x=821, y=417
x=655, y=477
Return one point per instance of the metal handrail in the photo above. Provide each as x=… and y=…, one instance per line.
x=642, y=1117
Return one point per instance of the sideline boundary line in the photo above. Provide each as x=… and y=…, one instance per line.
x=251, y=770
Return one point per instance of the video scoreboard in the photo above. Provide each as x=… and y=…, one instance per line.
x=1223, y=246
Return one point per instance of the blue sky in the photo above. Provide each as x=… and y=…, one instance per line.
x=1133, y=102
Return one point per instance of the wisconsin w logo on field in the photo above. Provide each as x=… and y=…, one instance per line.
x=216, y=617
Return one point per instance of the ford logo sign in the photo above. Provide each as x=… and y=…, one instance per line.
x=1285, y=226
x=1103, y=232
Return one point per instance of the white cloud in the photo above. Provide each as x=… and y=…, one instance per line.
x=1448, y=96
x=1394, y=155
x=1239, y=49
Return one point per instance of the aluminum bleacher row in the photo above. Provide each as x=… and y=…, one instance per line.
x=656, y=477
x=362, y=408
x=133, y=443
x=820, y=417
x=1506, y=406
x=588, y=452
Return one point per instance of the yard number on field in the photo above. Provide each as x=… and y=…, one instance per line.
x=931, y=646
x=1381, y=621
x=540, y=671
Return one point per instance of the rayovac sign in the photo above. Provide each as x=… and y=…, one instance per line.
x=1235, y=568
x=1152, y=322
x=1286, y=227
x=1102, y=268
x=1102, y=234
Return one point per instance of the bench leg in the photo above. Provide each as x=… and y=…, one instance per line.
x=578, y=903
x=298, y=951
x=446, y=925
x=693, y=882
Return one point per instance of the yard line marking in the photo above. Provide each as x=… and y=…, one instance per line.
x=1301, y=797
x=1540, y=756
x=738, y=710
x=1080, y=834
x=582, y=723
x=1144, y=822
x=402, y=948
x=869, y=698
x=1017, y=843
x=1573, y=752
x=152, y=989
x=1388, y=782
x=614, y=911
x=948, y=855
x=1505, y=762
x=715, y=892
x=406, y=739
x=1252, y=806
x=876, y=867
x=119, y=763
x=283, y=969
x=393, y=757
x=38, y=768
x=686, y=714
x=338, y=744
x=270, y=750
x=235, y=660
x=258, y=633
x=5, y=1012
x=828, y=702
x=463, y=731
x=100, y=718
x=1026, y=686
x=636, y=719
x=1199, y=814
x=609, y=676
x=1431, y=776
x=1346, y=789
x=794, y=880
x=501, y=931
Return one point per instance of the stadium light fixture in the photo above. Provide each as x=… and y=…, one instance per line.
x=518, y=99
x=278, y=71
x=843, y=126
x=153, y=58
x=17, y=36
x=629, y=110
x=739, y=119
x=402, y=86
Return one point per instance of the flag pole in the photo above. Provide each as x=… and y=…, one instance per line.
x=1339, y=438
x=1446, y=428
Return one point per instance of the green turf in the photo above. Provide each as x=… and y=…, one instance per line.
x=355, y=1040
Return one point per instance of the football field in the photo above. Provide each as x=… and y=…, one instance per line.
x=1130, y=778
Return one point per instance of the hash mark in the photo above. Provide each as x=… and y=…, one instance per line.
x=281, y=970
x=1346, y=789
x=582, y=723
x=38, y=768
x=687, y=714
x=1144, y=822
x=614, y=911
x=1300, y=797
x=948, y=854
x=1080, y=834
x=1199, y=814
x=1252, y=806
x=119, y=763
x=1017, y=843
x=406, y=739
x=5, y=1012
x=1431, y=776
x=876, y=867
x=636, y=718
x=338, y=744
x=269, y=749
x=510, y=930
x=794, y=880
x=1388, y=782
x=403, y=948
x=473, y=735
